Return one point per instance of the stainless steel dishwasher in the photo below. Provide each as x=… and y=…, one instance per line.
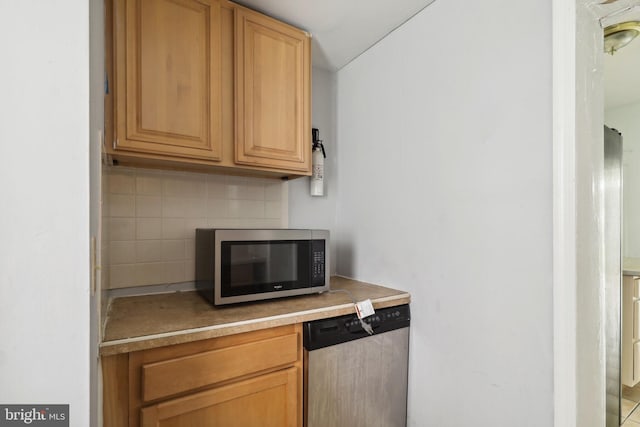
x=353, y=379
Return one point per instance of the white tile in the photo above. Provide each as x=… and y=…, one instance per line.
x=193, y=185
x=245, y=191
x=173, y=272
x=195, y=208
x=233, y=191
x=121, y=276
x=148, y=206
x=106, y=228
x=236, y=180
x=190, y=249
x=148, y=251
x=235, y=208
x=246, y=209
x=246, y=188
x=217, y=208
x=193, y=223
x=105, y=277
x=173, y=228
x=272, y=210
x=149, y=273
x=172, y=250
x=250, y=223
x=173, y=207
x=122, y=228
x=105, y=256
x=223, y=222
x=122, y=252
x=190, y=225
x=104, y=182
x=148, y=228
x=271, y=223
x=122, y=205
x=216, y=187
x=258, y=223
x=105, y=202
x=189, y=270
x=149, y=184
x=153, y=215
x=218, y=177
x=252, y=208
x=273, y=191
x=121, y=182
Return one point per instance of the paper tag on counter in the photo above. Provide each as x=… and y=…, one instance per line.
x=364, y=309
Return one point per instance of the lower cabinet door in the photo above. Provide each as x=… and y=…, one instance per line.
x=269, y=400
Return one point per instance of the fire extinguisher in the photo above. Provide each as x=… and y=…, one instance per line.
x=316, y=186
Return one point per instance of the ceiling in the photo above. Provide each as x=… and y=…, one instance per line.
x=341, y=29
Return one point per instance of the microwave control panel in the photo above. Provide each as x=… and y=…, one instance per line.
x=317, y=262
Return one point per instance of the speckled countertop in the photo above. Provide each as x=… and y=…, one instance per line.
x=148, y=321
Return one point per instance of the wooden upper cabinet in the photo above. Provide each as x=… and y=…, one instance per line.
x=272, y=85
x=207, y=85
x=168, y=77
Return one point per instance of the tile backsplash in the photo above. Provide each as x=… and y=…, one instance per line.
x=150, y=217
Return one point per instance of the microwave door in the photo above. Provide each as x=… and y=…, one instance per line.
x=248, y=265
x=284, y=263
x=263, y=264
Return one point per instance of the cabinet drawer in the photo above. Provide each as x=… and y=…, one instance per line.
x=173, y=376
x=269, y=400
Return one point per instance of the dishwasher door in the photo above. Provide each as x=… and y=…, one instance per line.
x=361, y=382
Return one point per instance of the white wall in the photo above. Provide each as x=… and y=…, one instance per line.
x=626, y=119
x=44, y=220
x=445, y=190
x=306, y=211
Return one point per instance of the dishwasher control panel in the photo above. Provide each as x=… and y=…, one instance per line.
x=336, y=330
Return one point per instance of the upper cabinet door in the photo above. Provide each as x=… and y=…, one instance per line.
x=272, y=93
x=168, y=77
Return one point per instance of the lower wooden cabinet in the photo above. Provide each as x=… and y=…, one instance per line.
x=243, y=380
x=268, y=400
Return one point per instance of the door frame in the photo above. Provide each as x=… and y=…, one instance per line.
x=578, y=211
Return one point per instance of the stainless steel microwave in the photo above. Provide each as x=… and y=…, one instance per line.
x=240, y=265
